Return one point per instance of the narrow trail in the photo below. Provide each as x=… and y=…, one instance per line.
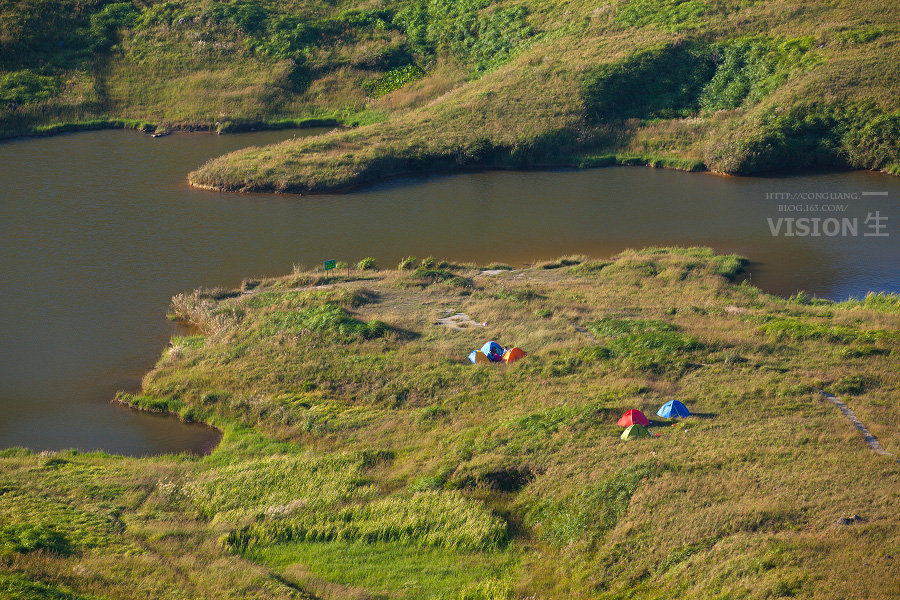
x=584, y=331
x=871, y=440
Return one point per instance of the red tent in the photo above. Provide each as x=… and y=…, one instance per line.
x=632, y=417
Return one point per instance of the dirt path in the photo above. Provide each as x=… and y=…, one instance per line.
x=871, y=440
x=584, y=331
x=458, y=321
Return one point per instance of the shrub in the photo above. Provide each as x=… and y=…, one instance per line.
x=407, y=264
x=392, y=80
x=856, y=134
x=428, y=276
x=328, y=319
x=367, y=264
x=523, y=296
x=861, y=351
x=489, y=589
x=853, y=384
x=729, y=266
x=247, y=15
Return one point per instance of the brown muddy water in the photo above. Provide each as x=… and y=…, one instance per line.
x=98, y=230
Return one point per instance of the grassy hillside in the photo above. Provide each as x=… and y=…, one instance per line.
x=732, y=86
x=365, y=457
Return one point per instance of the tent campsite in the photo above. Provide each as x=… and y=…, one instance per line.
x=494, y=352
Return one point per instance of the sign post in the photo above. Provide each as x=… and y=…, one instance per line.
x=329, y=265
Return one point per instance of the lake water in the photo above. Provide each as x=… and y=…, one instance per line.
x=98, y=230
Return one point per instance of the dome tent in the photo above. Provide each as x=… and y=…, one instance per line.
x=634, y=431
x=493, y=351
x=513, y=354
x=478, y=357
x=633, y=417
x=673, y=408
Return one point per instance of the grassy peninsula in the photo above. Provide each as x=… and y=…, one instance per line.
x=364, y=457
x=734, y=86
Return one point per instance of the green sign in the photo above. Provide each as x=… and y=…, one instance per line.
x=329, y=264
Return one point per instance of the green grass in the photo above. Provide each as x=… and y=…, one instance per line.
x=670, y=15
x=591, y=512
x=17, y=587
x=339, y=569
x=647, y=345
x=881, y=302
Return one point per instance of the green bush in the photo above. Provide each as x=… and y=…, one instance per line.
x=328, y=319
x=860, y=35
x=853, y=384
x=392, y=80
x=367, y=264
x=861, y=351
x=729, y=266
x=524, y=296
x=407, y=264
x=164, y=13
x=489, y=589
x=14, y=586
x=428, y=276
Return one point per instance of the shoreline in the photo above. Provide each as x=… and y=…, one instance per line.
x=162, y=129
x=577, y=163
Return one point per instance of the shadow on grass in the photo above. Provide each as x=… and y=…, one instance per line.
x=675, y=421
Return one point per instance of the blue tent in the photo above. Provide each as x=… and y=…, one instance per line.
x=493, y=351
x=673, y=408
